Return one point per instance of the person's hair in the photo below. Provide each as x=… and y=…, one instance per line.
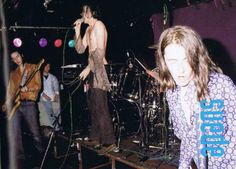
x=94, y=8
x=20, y=52
x=197, y=56
x=46, y=62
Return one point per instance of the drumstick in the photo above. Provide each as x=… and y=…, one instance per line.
x=141, y=64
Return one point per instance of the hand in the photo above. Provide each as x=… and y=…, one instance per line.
x=56, y=98
x=24, y=89
x=84, y=73
x=78, y=22
x=46, y=97
x=4, y=108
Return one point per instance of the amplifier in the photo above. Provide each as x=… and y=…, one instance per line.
x=71, y=73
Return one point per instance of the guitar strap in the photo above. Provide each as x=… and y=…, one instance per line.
x=23, y=78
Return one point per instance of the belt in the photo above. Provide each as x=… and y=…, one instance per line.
x=27, y=100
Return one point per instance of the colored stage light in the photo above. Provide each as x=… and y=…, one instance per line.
x=71, y=43
x=17, y=42
x=58, y=43
x=43, y=42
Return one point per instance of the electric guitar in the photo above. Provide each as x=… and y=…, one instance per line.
x=16, y=100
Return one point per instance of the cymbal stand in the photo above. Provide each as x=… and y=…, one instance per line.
x=143, y=125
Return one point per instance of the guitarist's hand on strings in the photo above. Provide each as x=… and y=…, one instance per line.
x=24, y=89
x=4, y=107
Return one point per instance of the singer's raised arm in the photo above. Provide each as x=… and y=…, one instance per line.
x=80, y=43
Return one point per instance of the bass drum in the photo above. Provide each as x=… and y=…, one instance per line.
x=125, y=117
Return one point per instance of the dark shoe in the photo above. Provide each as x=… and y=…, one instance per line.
x=106, y=150
x=98, y=147
x=91, y=142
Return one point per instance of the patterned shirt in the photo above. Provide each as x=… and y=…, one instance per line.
x=188, y=131
x=100, y=79
x=96, y=65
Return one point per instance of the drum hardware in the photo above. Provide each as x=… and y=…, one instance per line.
x=125, y=117
x=140, y=94
x=128, y=84
x=155, y=115
x=113, y=76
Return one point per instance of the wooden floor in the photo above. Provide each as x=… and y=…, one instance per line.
x=131, y=154
x=70, y=152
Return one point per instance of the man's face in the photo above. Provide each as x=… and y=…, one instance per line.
x=178, y=65
x=86, y=14
x=47, y=68
x=16, y=58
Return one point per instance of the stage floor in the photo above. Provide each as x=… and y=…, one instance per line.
x=131, y=154
x=72, y=152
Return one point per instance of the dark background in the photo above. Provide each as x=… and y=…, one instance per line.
x=133, y=26
x=128, y=24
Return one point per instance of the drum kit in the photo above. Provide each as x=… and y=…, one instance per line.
x=137, y=105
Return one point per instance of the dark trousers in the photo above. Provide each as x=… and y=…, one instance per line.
x=26, y=113
x=101, y=122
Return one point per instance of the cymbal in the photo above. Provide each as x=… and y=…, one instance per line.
x=154, y=46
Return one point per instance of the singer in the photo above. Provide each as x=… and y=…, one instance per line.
x=95, y=38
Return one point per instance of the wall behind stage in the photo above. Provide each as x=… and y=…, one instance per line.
x=215, y=23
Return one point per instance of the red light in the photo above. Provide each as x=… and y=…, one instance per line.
x=58, y=43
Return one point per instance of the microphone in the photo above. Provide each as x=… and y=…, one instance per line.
x=71, y=66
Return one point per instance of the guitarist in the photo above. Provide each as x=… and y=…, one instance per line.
x=26, y=112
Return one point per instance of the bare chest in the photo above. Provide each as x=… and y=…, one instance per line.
x=91, y=39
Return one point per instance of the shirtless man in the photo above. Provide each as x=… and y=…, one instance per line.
x=95, y=38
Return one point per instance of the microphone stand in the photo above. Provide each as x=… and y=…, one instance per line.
x=48, y=146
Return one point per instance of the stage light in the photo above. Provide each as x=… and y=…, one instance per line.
x=43, y=42
x=71, y=43
x=58, y=43
x=17, y=42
